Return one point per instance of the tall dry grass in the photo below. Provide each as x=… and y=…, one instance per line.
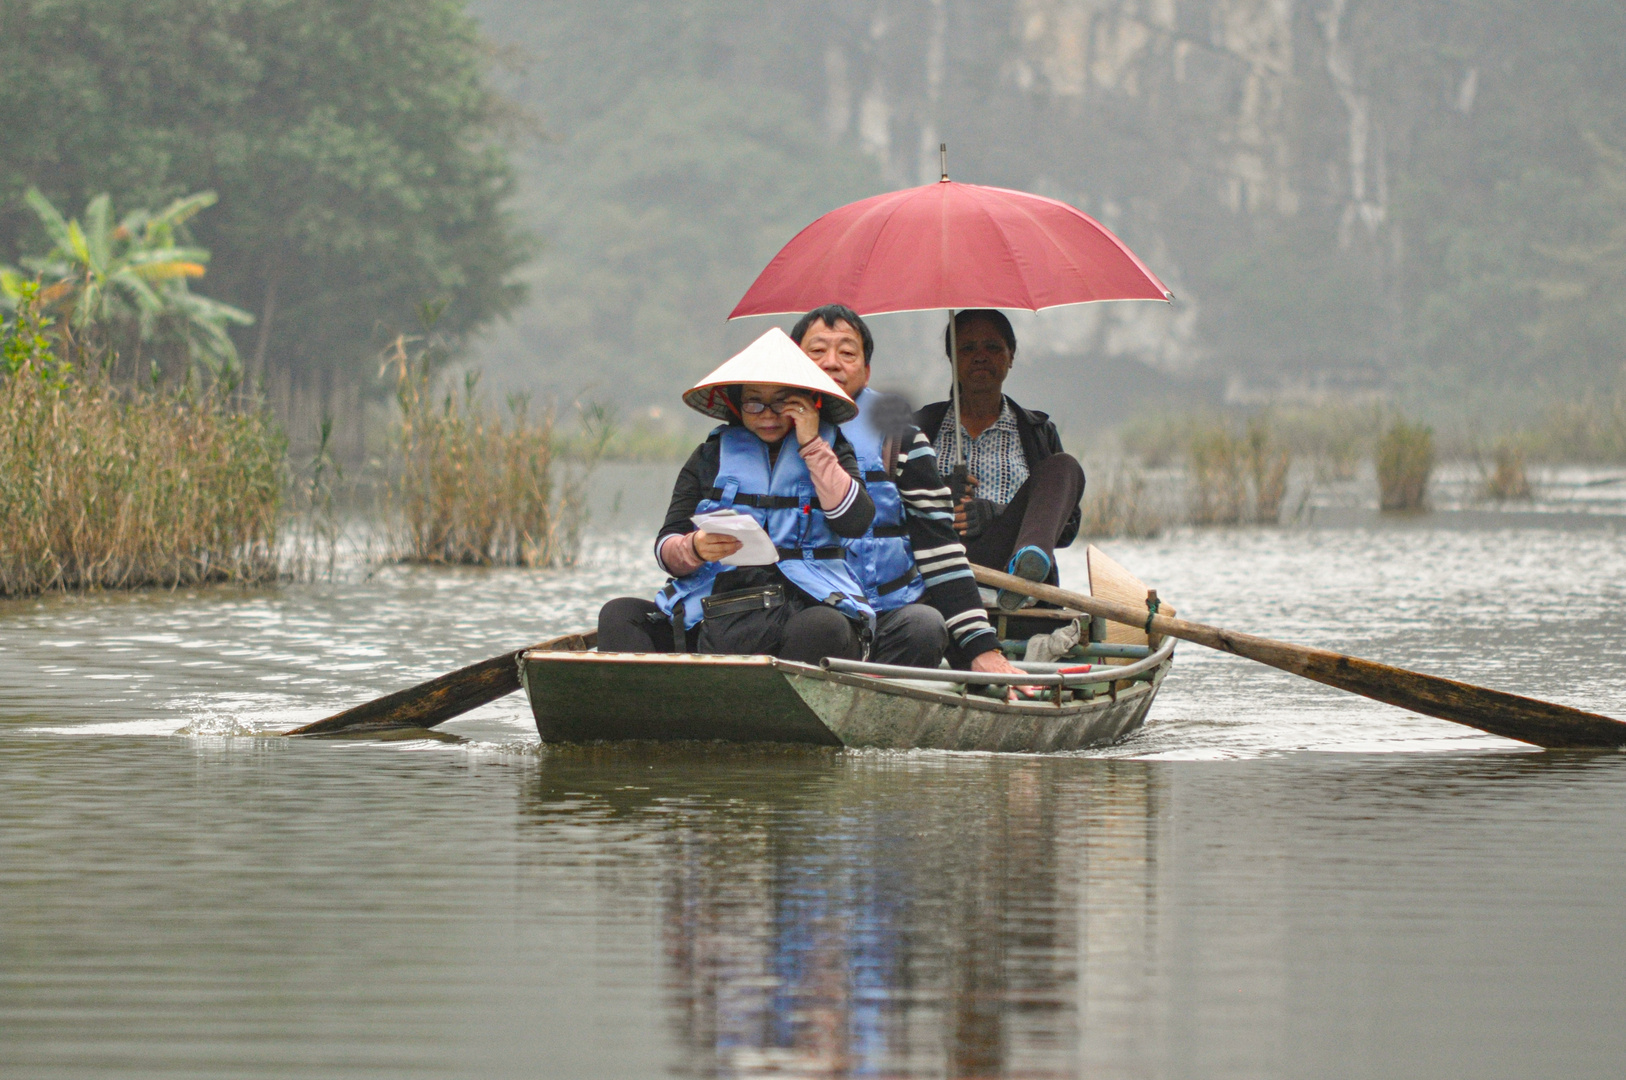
x=1120, y=506
x=109, y=486
x=1333, y=438
x=1405, y=461
x=1508, y=480
x=474, y=487
x=1593, y=430
x=1236, y=476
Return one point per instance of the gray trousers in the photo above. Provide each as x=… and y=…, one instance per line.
x=911, y=636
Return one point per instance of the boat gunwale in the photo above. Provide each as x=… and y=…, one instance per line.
x=1097, y=675
x=1144, y=683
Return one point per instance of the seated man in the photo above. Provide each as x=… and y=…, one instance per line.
x=910, y=551
x=1022, y=492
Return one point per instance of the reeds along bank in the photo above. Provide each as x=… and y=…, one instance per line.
x=1405, y=460
x=109, y=486
x=471, y=486
x=1236, y=477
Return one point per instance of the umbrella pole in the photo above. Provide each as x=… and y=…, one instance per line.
x=954, y=376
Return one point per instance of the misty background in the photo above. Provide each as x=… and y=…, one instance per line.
x=1418, y=202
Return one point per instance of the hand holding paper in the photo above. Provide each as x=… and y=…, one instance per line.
x=756, y=549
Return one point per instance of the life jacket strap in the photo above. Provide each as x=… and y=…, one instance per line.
x=832, y=552
x=898, y=582
x=761, y=502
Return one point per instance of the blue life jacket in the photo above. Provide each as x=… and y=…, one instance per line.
x=882, y=559
x=785, y=504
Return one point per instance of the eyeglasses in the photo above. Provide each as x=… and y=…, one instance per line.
x=756, y=408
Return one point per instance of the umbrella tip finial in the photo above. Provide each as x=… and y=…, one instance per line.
x=942, y=158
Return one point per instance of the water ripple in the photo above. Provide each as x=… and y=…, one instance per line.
x=1532, y=608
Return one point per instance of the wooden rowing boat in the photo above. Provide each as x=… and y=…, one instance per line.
x=1096, y=695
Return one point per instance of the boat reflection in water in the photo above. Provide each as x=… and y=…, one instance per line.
x=887, y=914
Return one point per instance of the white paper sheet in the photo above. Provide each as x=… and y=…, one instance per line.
x=755, y=547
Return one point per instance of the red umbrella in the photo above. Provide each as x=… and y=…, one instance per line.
x=949, y=245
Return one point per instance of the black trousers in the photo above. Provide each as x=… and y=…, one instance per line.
x=1036, y=515
x=633, y=624
x=913, y=636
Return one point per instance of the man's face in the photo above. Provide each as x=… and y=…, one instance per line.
x=839, y=352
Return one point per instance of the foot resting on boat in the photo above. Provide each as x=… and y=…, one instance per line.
x=1029, y=564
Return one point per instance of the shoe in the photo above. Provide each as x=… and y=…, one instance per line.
x=1030, y=564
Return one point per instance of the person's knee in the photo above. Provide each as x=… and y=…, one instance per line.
x=623, y=609
x=923, y=625
x=1063, y=466
x=914, y=635
x=817, y=632
x=624, y=625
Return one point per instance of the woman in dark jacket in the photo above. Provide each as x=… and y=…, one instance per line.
x=1022, y=491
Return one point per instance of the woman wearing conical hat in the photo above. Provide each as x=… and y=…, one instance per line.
x=779, y=458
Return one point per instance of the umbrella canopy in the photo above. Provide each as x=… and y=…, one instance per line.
x=775, y=359
x=950, y=245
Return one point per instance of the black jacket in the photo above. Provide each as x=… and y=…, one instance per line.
x=1040, y=440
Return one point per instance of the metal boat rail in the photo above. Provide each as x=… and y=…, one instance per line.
x=1094, y=650
x=1096, y=676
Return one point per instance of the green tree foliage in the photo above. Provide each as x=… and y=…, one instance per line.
x=657, y=215
x=123, y=285
x=666, y=185
x=353, y=145
x=1502, y=197
x=1582, y=299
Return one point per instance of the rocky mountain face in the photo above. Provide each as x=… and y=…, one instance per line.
x=1348, y=199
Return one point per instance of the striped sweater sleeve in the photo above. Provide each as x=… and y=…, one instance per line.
x=939, y=554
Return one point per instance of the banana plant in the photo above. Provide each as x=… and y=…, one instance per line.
x=126, y=283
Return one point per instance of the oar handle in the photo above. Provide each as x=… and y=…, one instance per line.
x=1113, y=610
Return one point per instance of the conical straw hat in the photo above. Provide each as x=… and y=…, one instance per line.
x=775, y=359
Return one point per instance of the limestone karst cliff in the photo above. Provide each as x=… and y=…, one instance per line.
x=1409, y=198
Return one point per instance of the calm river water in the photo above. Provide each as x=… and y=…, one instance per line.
x=1271, y=880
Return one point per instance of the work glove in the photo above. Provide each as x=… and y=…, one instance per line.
x=979, y=514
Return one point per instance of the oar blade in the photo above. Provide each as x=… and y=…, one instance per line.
x=1513, y=716
x=442, y=698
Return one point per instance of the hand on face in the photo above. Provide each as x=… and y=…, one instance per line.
x=806, y=417
x=715, y=546
x=787, y=410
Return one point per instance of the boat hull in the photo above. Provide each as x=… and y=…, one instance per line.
x=593, y=697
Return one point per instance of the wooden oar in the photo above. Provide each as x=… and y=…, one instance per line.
x=440, y=699
x=1510, y=715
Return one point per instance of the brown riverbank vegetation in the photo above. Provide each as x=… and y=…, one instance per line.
x=105, y=485
x=473, y=486
x=1405, y=461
